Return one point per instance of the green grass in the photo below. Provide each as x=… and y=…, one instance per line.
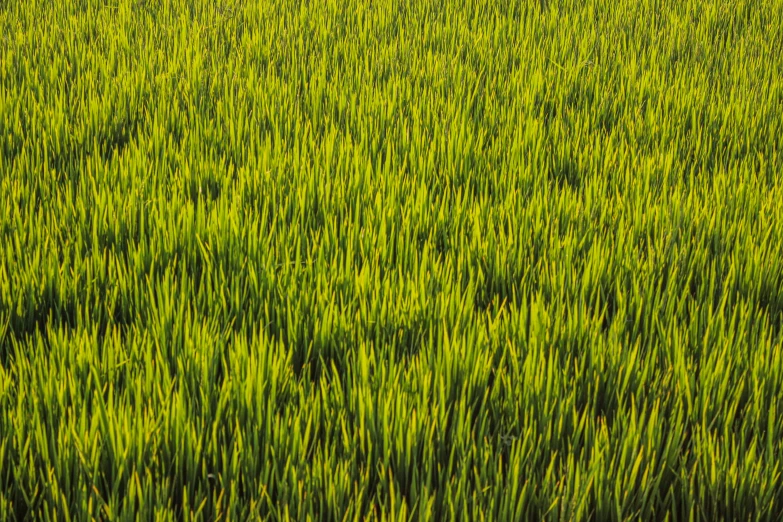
x=391, y=260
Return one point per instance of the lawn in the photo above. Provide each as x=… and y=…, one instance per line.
x=359, y=260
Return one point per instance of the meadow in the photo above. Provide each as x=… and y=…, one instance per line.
x=365, y=260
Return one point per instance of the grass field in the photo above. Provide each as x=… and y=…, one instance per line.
x=391, y=260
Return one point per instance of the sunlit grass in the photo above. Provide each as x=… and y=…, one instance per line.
x=391, y=260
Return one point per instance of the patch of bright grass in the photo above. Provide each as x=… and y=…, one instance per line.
x=391, y=260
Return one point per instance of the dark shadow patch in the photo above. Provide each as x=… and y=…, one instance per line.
x=404, y=337
x=119, y=137
x=204, y=187
x=545, y=108
x=564, y=172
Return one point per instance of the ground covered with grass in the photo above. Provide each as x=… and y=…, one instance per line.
x=391, y=260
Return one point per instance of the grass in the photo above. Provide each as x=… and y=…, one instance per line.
x=391, y=260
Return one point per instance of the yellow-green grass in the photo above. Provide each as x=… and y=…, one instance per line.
x=391, y=260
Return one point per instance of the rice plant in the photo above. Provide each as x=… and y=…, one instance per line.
x=359, y=260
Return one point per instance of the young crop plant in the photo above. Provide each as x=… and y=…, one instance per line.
x=383, y=260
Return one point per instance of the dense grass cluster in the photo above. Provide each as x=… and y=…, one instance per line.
x=391, y=260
